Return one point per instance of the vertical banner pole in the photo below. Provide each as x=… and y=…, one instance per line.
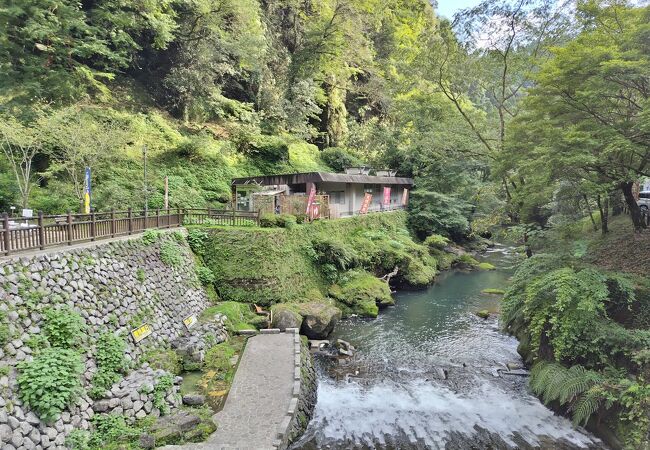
x=87, y=191
x=166, y=192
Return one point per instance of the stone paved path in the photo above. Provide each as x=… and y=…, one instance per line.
x=258, y=399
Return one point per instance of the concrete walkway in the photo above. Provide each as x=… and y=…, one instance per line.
x=259, y=398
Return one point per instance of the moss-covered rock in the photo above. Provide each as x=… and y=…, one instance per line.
x=285, y=316
x=493, y=291
x=362, y=294
x=483, y=314
x=319, y=319
x=486, y=266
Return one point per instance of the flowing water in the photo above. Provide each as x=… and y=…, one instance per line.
x=430, y=374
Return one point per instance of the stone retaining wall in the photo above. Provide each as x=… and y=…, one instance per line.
x=115, y=286
x=303, y=402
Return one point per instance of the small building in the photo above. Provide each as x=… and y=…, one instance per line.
x=339, y=194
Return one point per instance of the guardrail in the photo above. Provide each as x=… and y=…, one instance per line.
x=22, y=234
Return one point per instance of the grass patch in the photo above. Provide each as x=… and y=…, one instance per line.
x=239, y=315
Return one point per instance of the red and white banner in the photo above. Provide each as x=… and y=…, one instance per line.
x=405, y=197
x=310, y=200
x=386, y=196
x=365, y=204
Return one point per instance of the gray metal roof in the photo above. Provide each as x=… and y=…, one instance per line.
x=321, y=177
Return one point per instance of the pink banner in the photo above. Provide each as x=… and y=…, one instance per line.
x=310, y=200
x=386, y=196
x=366, y=203
x=405, y=197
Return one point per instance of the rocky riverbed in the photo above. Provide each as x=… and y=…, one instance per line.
x=430, y=374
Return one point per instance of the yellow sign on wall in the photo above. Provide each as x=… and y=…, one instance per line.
x=190, y=321
x=141, y=332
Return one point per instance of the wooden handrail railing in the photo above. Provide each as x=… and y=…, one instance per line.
x=20, y=234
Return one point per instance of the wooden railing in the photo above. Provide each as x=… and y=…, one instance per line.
x=22, y=234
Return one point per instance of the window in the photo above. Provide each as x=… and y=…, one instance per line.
x=337, y=197
x=644, y=195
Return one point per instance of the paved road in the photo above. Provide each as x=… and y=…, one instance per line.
x=259, y=397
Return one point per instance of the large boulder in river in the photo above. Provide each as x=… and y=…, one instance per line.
x=319, y=319
x=285, y=316
x=361, y=294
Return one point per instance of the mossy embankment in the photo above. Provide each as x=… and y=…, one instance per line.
x=333, y=261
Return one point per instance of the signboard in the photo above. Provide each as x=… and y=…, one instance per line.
x=386, y=201
x=310, y=199
x=405, y=197
x=141, y=332
x=367, y=198
x=28, y=213
x=190, y=321
x=87, y=191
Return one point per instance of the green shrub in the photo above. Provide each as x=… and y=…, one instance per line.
x=140, y=275
x=436, y=241
x=218, y=357
x=165, y=359
x=160, y=391
x=51, y=381
x=286, y=220
x=197, y=240
x=335, y=252
x=205, y=275
x=109, y=430
x=171, y=254
x=63, y=327
x=150, y=236
x=339, y=158
x=4, y=329
x=109, y=356
x=268, y=220
x=37, y=343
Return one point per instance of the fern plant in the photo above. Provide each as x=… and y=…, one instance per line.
x=575, y=387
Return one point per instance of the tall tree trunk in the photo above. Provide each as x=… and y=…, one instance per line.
x=603, y=207
x=591, y=215
x=630, y=201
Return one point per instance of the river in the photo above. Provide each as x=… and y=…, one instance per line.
x=425, y=376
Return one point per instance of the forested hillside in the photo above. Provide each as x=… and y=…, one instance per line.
x=523, y=118
x=222, y=88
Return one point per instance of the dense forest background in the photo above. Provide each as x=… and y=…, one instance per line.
x=222, y=88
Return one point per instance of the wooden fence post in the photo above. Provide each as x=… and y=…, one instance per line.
x=157, y=217
x=92, y=226
x=113, y=222
x=233, y=217
x=41, y=231
x=5, y=233
x=130, y=216
x=169, y=219
x=179, y=222
x=69, y=227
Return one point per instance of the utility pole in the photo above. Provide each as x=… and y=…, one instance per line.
x=166, y=192
x=144, y=180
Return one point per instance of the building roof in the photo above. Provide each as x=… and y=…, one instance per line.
x=320, y=177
